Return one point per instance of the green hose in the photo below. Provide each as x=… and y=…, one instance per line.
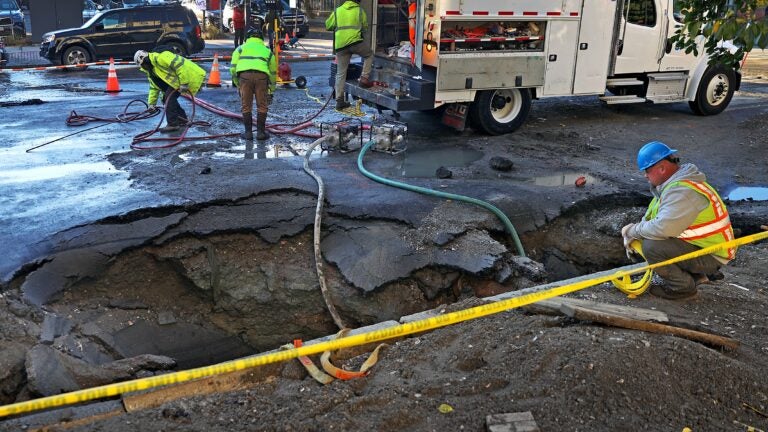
x=504, y=219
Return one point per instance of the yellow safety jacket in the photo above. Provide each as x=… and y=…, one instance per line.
x=347, y=22
x=175, y=70
x=711, y=227
x=253, y=55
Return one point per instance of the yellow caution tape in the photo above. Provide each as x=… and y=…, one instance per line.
x=309, y=365
x=625, y=283
x=349, y=341
x=333, y=371
x=342, y=374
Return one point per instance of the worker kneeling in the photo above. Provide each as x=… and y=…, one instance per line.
x=685, y=215
x=253, y=69
x=173, y=75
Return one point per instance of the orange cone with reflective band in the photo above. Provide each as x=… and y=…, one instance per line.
x=112, y=85
x=214, y=79
x=286, y=40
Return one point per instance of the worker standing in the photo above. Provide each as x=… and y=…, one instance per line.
x=348, y=22
x=238, y=23
x=685, y=215
x=172, y=75
x=253, y=68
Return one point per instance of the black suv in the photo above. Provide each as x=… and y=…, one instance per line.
x=119, y=33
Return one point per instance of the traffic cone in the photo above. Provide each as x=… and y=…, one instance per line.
x=286, y=40
x=112, y=85
x=214, y=79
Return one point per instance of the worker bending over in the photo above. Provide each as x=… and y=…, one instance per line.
x=171, y=74
x=253, y=69
x=685, y=215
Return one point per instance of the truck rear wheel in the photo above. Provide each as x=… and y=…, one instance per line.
x=715, y=91
x=497, y=112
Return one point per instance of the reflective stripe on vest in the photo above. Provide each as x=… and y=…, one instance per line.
x=170, y=73
x=704, y=233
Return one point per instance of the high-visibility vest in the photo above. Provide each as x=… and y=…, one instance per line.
x=712, y=225
x=175, y=70
x=347, y=22
x=253, y=55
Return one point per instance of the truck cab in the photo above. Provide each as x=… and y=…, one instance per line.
x=487, y=60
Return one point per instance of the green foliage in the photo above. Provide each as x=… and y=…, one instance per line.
x=708, y=23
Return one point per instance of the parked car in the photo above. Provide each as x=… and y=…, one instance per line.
x=91, y=9
x=290, y=19
x=12, y=19
x=119, y=33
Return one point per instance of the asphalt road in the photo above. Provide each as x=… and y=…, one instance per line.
x=70, y=182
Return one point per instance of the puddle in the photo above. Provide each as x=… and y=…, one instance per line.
x=748, y=193
x=251, y=151
x=53, y=172
x=564, y=179
x=424, y=163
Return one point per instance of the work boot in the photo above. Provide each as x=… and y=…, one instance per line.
x=365, y=82
x=248, y=123
x=666, y=293
x=261, y=126
x=341, y=104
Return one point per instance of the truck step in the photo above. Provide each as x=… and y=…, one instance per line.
x=614, y=100
x=677, y=76
x=621, y=82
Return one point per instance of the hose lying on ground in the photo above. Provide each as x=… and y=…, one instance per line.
x=504, y=219
x=318, y=224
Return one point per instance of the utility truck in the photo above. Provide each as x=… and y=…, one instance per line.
x=486, y=60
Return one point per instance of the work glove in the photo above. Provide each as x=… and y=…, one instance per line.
x=627, y=240
x=270, y=96
x=153, y=109
x=184, y=89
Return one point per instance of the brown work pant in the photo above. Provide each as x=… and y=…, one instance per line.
x=253, y=83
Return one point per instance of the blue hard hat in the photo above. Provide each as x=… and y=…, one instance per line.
x=651, y=153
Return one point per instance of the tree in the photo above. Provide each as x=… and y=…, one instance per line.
x=741, y=22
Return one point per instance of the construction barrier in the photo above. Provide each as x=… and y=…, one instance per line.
x=401, y=330
x=289, y=57
x=214, y=78
x=113, y=86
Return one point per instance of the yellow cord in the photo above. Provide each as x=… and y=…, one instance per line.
x=625, y=283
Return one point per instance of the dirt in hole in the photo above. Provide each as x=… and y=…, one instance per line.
x=570, y=374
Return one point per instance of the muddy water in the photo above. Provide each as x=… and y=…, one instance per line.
x=424, y=162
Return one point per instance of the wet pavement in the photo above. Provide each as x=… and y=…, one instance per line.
x=80, y=176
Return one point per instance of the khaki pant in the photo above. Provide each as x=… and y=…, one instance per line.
x=679, y=277
x=342, y=62
x=253, y=83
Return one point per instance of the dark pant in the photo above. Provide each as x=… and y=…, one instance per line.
x=239, y=37
x=253, y=83
x=174, y=113
x=679, y=277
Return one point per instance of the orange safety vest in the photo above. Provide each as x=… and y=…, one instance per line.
x=712, y=226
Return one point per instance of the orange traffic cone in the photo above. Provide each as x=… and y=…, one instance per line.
x=112, y=85
x=214, y=79
x=286, y=40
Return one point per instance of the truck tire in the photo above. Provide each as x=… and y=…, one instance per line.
x=75, y=55
x=497, y=112
x=715, y=91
